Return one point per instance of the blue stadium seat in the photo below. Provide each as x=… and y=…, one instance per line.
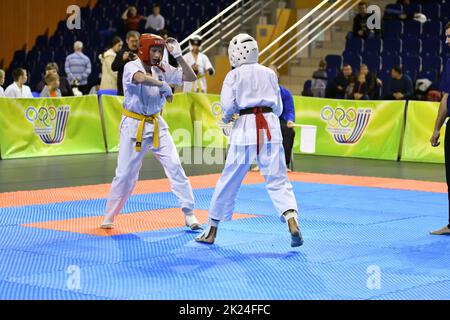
x=412, y=8
x=432, y=11
x=374, y=62
x=354, y=44
x=412, y=28
x=392, y=29
x=412, y=73
x=430, y=74
x=373, y=45
x=412, y=47
x=432, y=29
x=334, y=61
x=412, y=64
x=432, y=63
x=391, y=61
x=394, y=8
x=392, y=46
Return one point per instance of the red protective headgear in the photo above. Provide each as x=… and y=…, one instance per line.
x=147, y=41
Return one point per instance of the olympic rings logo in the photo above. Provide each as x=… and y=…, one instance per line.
x=44, y=115
x=339, y=116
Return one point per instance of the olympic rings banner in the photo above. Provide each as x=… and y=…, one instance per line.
x=49, y=127
x=351, y=128
x=420, y=120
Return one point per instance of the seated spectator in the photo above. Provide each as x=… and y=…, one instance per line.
x=361, y=88
x=337, y=88
x=127, y=54
x=109, y=77
x=78, y=68
x=2, y=82
x=51, y=90
x=18, y=89
x=319, y=80
x=373, y=83
x=360, y=27
x=132, y=19
x=391, y=13
x=400, y=87
x=64, y=85
x=155, y=21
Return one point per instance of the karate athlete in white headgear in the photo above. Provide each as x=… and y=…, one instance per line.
x=201, y=65
x=252, y=91
x=146, y=86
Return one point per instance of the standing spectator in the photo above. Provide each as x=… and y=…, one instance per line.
x=78, y=68
x=2, y=81
x=109, y=77
x=51, y=90
x=64, y=85
x=126, y=55
x=155, y=21
x=337, y=88
x=18, y=89
x=287, y=120
x=319, y=80
x=201, y=65
x=361, y=89
x=132, y=19
x=400, y=87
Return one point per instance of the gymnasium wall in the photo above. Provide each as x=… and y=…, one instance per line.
x=21, y=21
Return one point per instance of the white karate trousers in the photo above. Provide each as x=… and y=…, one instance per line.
x=130, y=162
x=272, y=164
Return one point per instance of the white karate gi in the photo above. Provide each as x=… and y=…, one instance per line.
x=252, y=85
x=203, y=66
x=146, y=100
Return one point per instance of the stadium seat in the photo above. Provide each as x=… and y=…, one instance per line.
x=412, y=28
x=391, y=61
x=394, y=8
x=354, y=44
x=430, y=74
x=373, y=45
x=395, y=28
x=413, y=65
x=432, y=29
x=432, y=11
x=334, y=61
x=412, y=47
x=392, y=46
x=432, y=63
x=412, y=8
x=374, y=62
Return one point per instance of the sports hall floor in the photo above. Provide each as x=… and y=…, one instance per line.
x=365, y=224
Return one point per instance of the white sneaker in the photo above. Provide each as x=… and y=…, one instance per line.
x=107, y=225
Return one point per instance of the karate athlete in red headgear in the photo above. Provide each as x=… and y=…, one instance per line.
x=146, y=87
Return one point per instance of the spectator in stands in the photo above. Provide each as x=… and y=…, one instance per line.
x=373, y=83
x=2, y=82
x=337, y=88
x=360, y=27
x=78, y=68
x=361, y=88
x=64, y=85
x=132, y=19
x=18, y=89
x=400, y=87
x=127, y=54
x=51, y=90
x=109, y=77
x=201, y=65
x=319, y=80
x=392, y=13
x=155, y=21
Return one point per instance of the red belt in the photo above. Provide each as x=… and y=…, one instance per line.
x=261, y=124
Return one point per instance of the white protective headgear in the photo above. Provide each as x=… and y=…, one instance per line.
x=243, y=49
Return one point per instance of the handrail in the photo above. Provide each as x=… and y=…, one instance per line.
x=317, y=35
x=295, y=25
x=217, y=17
x=304, y=29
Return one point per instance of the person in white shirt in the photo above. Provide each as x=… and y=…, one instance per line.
x=201, y=65
x=2, y=82
x=252, y=91
x=146, y=86
x=18, y=89
x=155, y=21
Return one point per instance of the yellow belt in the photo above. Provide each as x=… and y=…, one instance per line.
x=143, y=119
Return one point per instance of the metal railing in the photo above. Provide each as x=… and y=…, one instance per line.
x=227, y=23
x=330, y=16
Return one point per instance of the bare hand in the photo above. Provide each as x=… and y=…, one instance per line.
x=290, y=124
x=435, y=139
x=126, y=56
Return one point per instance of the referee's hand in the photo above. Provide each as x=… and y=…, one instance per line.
x=435, y=139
